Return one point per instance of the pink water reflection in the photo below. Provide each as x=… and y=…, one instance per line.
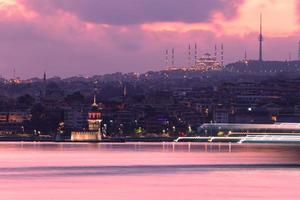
x=104, y=171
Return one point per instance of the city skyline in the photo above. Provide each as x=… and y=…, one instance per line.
x=68, y=38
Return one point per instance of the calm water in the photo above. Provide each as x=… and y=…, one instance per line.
x=148, y=171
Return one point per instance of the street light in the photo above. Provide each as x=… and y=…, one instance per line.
x=189, y=129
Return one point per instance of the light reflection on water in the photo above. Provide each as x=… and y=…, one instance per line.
x=148, y=171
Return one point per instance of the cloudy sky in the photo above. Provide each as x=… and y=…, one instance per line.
x=85, y=37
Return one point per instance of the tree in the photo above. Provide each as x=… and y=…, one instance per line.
x=25, y=101
x=76, y=97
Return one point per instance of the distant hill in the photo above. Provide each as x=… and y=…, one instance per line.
x=263, y=68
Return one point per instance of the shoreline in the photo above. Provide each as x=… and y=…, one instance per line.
x=106, y=140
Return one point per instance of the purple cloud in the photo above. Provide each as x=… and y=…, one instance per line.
x=63, y=45
x=128, y=12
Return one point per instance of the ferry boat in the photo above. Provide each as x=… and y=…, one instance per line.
x=246, y=133
x=262, y=138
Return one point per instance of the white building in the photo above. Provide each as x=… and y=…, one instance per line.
x=93, y=133
x=206, y=63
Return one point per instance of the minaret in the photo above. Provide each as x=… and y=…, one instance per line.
x=167, y=58
x=45, y=76
x=222, y=55
x=125, y=91
x=216, y=54
x=44, y=85
x=173, y=58
x=14, y=74
x=245, y=55
x=196, y=53
x=260, y=39
x=124, y=94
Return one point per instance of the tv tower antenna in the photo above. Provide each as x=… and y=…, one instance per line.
x=299, y=51
x=189, y=58
x=261, y=39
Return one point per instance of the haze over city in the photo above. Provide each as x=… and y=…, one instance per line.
x=68, y=38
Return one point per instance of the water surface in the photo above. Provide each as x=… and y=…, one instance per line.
x=148, y=171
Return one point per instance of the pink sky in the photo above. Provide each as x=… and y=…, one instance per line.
x=72, y=37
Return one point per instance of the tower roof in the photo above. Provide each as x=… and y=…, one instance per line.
x=95, y=105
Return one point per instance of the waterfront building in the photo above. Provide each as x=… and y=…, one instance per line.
x=94, y=126
x=221, y=115
x=14, y=117
x=13, y=122
x=76, y=117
